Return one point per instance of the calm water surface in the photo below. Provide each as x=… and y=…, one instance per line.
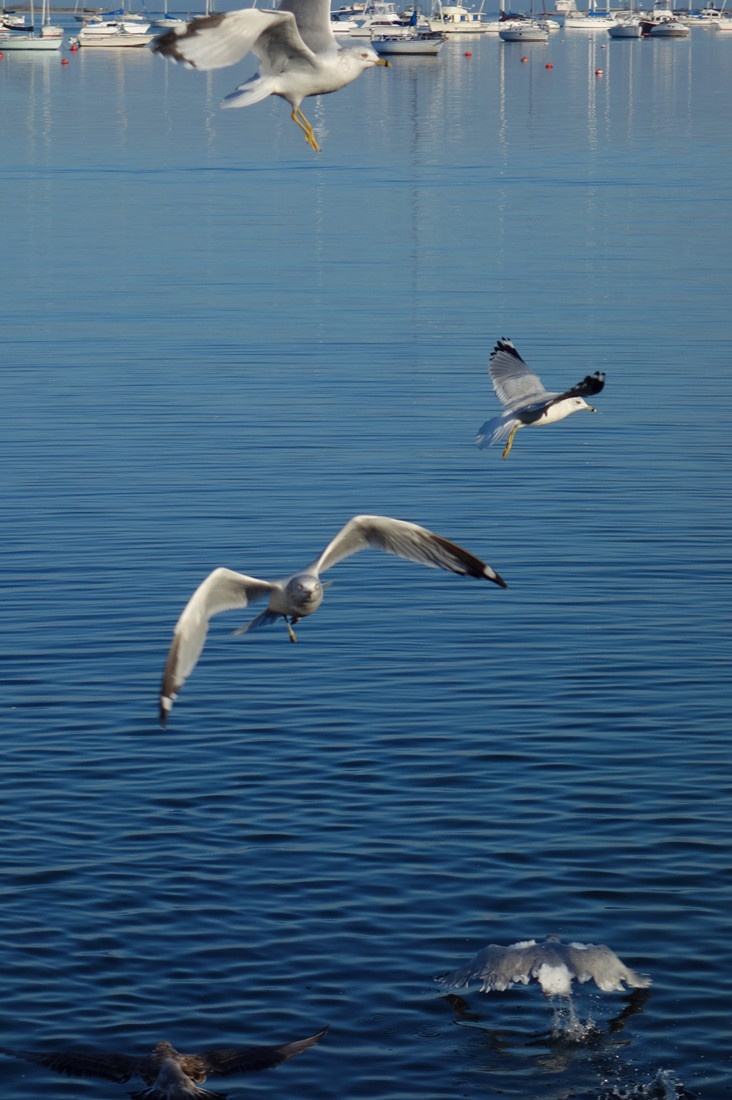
x=217, y=347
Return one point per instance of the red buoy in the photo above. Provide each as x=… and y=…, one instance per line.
x=599, y=72
x=74, y=47
x=468, y=53
x=524, y=60
x=64, y=60
x=548, y=65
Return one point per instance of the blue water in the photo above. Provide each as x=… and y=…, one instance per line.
x=217, y=346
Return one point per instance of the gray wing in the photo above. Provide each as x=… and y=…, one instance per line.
x=216, y=41
x=227, y=1060
x=313, y=22
x=111, y=1067
x=222, y=590
x=496, y=968
x=515, y=384
x=595, y=962
x=406, y=540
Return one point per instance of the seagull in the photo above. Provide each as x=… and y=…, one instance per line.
x=302, y=593
x=168, y=1074
x=529, y=405
x=553, y=964
x=297, y=51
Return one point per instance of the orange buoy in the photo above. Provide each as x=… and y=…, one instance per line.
x=468, y=53
x=64, y=60
x=74, y=47
x=548, y=65
x=524, y=60
x=599, y=72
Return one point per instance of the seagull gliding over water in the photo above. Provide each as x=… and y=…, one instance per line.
x=297, y=51
x=302, y=593
x=528, y=404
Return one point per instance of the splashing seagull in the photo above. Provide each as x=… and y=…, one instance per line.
x=296, y=48
x=529, y=405
x=551, y=963
x=302, y=593
x=168, y=1074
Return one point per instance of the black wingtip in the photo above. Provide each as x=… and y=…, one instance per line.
x=506, y=346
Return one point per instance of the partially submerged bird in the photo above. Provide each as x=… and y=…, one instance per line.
x=302, y=593
x=168, y=1074
x=551, y=963
x=528, y=404
x=297, y=51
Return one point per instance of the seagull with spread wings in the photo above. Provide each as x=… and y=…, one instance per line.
x=168, y=1074
x=302, y=593
x=551, y=963
x=297, y=52
x=528, y=404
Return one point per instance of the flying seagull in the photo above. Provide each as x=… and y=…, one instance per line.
x=551, y=963
x=529, y=405
x=168, y=1074
x=302, y=593
x=297, y=52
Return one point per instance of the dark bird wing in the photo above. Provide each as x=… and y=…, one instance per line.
x=406, y=540
x=589, y=386
x=110, y=1067
x=228, y=1060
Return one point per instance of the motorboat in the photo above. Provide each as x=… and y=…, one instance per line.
x=456, y=19
x=524, y=29
x=662, y=22
x=670, y=28
x=420, y=43
x=379, y=17
x=111, y=36
x=626, y=25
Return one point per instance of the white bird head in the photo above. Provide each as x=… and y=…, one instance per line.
x=305, y=592
x=366, y=57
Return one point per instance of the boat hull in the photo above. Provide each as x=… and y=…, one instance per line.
x=29, y=42
x=420, y=45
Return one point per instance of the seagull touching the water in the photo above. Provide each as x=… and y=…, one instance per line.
x=527, y=403
x=302, y=593
x=297, y=52
x=168, y=1074
x=551, y=963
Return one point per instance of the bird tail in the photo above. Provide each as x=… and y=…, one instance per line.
x=252, y=91
x=265, y=618
x=154, y=1092
x=495, y=430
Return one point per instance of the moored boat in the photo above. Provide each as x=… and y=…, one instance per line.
x=456, y=19
x=420, y=43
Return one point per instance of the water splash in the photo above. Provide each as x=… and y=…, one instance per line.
x=664, y=1085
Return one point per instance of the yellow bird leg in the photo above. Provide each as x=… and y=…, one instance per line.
x=299, y=118
x=290, y=631
x=509, y=441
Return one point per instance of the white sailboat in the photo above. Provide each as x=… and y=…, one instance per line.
x=33, y=41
